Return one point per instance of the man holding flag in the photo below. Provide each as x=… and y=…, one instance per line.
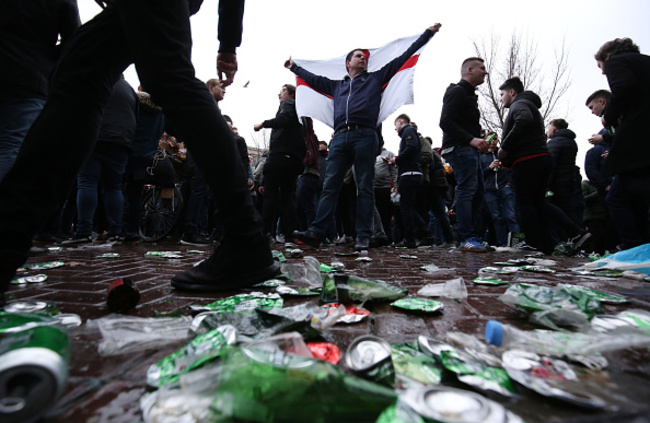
x=356, y=111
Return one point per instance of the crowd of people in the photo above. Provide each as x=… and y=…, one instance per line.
x=476, y=190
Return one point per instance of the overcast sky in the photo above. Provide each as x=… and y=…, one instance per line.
x=308, y=29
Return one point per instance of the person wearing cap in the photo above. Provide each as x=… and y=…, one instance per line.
x=357, y=99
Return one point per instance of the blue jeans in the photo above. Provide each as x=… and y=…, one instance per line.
x=501, y=204
x=16, y=116
x=469, y=189
x=358, y=148
x=107, y=163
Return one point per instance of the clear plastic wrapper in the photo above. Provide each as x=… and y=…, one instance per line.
x=125, y=334
x=454, y=289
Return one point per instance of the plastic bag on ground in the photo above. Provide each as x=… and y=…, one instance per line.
x=454, y=289
x=124, y=334
x=307, y=273
x=258, y=324
x=352, y=288
x=637, y=259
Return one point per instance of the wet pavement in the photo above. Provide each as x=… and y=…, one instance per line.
x=108, y=389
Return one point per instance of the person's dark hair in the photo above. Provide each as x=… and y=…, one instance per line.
x=598, y=94
x=403, y=117
x=291, y=89
x=559, y=124
x=228, y=119
x=614, y=47
x=349, y=56
x=323, y=143
x=467, y=62
x=429, y=140
x=512, y=84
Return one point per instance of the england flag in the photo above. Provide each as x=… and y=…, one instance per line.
x=398, y=91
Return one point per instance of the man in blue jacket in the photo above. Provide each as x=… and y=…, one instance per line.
x=356, y=107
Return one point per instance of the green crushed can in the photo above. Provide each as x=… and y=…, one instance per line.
x=33, y=371
x=37, y=307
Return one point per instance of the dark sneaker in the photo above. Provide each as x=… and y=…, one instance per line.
x=447, y=245
x=231, y=266
x=35, y=250
x=473, y=245
x=78, y=239
x=379, y=241
x=362, y=243
x=426, y=242
x=308, y=237
x=406, y=244
x=196, y=240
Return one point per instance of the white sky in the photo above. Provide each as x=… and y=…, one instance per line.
x=307, y=29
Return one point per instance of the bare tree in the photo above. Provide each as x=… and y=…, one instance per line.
x=520, y=58
x=261, y=141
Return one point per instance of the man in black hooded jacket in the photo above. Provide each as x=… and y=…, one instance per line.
x=524, y=149
x=563, y=179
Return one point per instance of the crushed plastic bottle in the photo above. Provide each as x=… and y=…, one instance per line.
x=560, y=344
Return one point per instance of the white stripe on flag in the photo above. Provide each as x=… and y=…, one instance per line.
x=398, y=92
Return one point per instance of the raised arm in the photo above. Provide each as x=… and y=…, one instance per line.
x=320, y=83
x=391, y=68
x=231, y=15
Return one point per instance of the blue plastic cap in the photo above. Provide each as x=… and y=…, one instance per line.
x=494, y=332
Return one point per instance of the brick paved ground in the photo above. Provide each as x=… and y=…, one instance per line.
x=108, y=389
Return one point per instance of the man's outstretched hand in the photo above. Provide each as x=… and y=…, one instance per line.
x=226, y=67
x=104, y=3
x=435, y=28
x=288, y=63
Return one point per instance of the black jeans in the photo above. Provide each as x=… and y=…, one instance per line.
x=156, y=37
x=408, y=186
x=280, y=177
x=529, y=179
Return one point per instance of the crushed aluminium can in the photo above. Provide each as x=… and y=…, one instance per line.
x=370, y=358
x=33, y=371
x=163, y=254
x=450, y=405
x=277, y=255
x=197, y=352
x=418, y=304
x=241, y=302
x=296, y=292
x=489, y=281
x=42, y=266
x=42, y=277
x=122, y=296
x=109, y=255
x=549, y=377
x=37, y=307
x=352, y=314
x=336, y=266
x=271, y=283
x=477, y=374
